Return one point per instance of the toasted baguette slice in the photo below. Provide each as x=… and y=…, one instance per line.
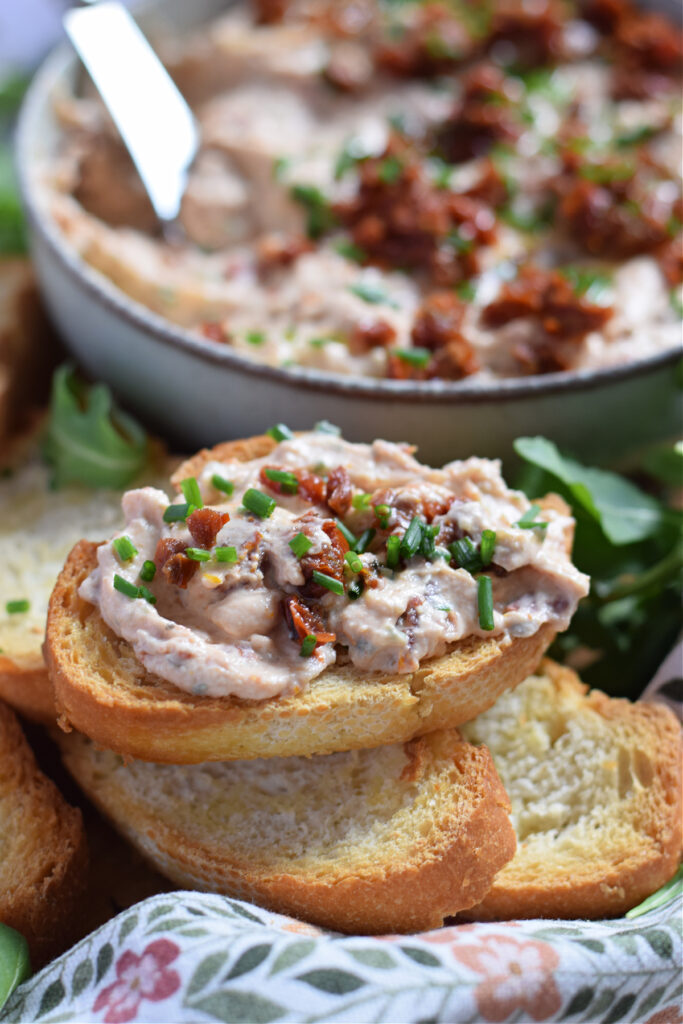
x=391, y=839
x=43, y=854
x=595, y=786
x=38, y=528
x=103, y=691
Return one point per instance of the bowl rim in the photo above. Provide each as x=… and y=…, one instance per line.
x=100, y=289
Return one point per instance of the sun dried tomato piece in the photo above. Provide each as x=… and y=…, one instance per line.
x=456, y=360
x=311, y=486
x=670, y=259
x=329, y=561
x=535, y=30
x=339, y=491
x=490, y=188
x=438, y=320
x=605, y=15
x=205, y=524
x=650, y=42
x=166, y=548
x=306, y=620
x=215, y=332
x=368, y=334
x=179, y=570
x=485, y=114
x=616, y=221
x=270, y=12
x=436, y=41
x=548, y=297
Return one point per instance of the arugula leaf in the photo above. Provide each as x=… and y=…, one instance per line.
x=14, y=962
x=624, y=512
x=88, y=439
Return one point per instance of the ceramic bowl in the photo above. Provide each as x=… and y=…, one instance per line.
x=198, y=393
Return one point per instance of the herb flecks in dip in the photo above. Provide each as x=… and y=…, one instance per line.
x=408, y=190
x=262, y=574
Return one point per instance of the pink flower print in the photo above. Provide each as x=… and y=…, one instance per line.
x=138, y=978
x=518, y=975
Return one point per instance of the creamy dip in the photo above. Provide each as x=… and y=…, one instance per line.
x=358, y=159
x=328, y=551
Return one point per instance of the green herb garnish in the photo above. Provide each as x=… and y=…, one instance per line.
x=325, y=427
x=88, y=440
x=18, y=606
x=320, y=216
x=485, y=602
x=178, y=513
x=197, y=554
x=255, y=337
x=280, y=432
x=390, y=170
x=300, y=544
x=412, y=538
x=345, y=247
x=191, y=492
x=148, y=571
x=355, y=589
x=361, y=501
x=487, y=546
x=393, y=551
x=221, y=484
x=329, y=582
x=124, y=548
x=225, y=554
x=124, y=586
x=349, y=537
x=308, y=645
x=372, y=293
x=287, y=481
x=465, y=555
x=418, y=357
x=353, y=561
x=365, y=540
x=259, y=503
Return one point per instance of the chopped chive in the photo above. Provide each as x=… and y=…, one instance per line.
x=178, y=513
x=221, y=484
x=527, y=522
x=349, y=537
x=147, y=595
x=390, y=170
x=345, y=247
x=280, y=165
x=258, y=503
x=371, y=293
x=487, y=546
x=353, y=561
x=148, y=571
x=308, y=645
x=227, y=554
x=197, y=554
x=355, y=589
x=319, y=342
x=412, y=538
x=634, y=136
x=320, y=215
x=329, y=582
x=383, y=512
x=325, y=427
x=485, y=602
x=124, y=548
x=288, y=482
x=125, y=586
x=365, y=540
x=465, y=555
x=255, y=337
x=414, y=356
x=361, y=501
x=15, y=607
x=280, y=432
x=393, y=551
x=300, y=544
x=466, y=291
x=190, y=489
x=427, y=545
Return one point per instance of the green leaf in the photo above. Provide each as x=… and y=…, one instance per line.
x=104, y=960
x=580, y=1002
x=242, y=912
x=164, y=908
x=239, y=1007
x=52, y=997
x=205, y=970
x=14, y=961
x=668, y=892
x=332, y=979
x=127, y=926
x=373, y=958
x=620, y=1008
x=82, y=977
x=292, y=954
x=625, y=513
x=88, y=439
x=660, y=942
x=421, y=956
x=250, y=959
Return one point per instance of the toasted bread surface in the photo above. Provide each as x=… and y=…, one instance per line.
x=103, y=691
x=43, y=853
x=595, y=787
x=390, y=839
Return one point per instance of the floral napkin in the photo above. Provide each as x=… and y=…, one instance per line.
x=192, y=957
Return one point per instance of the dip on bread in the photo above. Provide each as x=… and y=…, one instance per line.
x=263, y=573
x=406, y=190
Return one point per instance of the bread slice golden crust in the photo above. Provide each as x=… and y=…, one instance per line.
x=597, y=812
x=43, y=853
x=386, y=840
x=104, y=692
x=25, y=684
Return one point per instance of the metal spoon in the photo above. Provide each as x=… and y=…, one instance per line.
x=154, y=121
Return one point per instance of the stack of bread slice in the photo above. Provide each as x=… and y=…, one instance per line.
x=471, y=787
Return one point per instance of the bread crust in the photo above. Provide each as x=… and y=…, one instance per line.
x=44, y=860
x=605, y=881
x=101, y=690
x=26, y=687
x=448, y=868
